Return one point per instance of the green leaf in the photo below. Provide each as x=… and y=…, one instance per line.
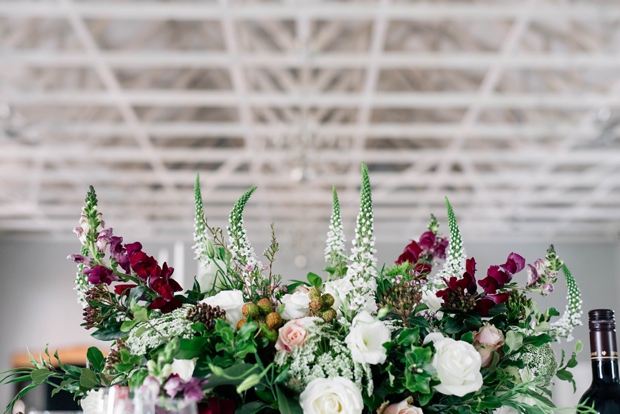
x=564, y=375
x=538, y=340
x=468, y=337
x=135, y=294
x=140, y=313
x=40, y=375
x=96, y=358
x=191, y=348
x=233, y=375
x=252, y=408
x=128, y=325
x=287, y=404
x=409, y=336
x=315, y=280
x=514, y=341
x=88, y=379
x=454, y=326
x=417, y=383
x=109, y=333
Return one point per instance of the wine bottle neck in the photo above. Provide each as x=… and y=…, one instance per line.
x=604, y=355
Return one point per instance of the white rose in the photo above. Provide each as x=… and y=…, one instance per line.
x=336, y=395
x=229, y=300
x=92, y=403
x=184, y=368
x=206, y=275
x=457, y=364
x=366, y=339
x=296, y=305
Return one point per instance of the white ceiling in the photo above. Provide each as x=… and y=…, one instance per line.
x=508, y=108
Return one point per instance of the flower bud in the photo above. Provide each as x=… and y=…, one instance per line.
x=315, y=304
x=265, y=306
x=250, y=309
x=241, y=323
x=329, y=315
x=327, y=300
x=314, y=294
x=273, y=320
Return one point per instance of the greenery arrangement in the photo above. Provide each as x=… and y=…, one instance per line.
x=396, y=339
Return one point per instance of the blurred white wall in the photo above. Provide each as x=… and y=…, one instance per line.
x=38, y=305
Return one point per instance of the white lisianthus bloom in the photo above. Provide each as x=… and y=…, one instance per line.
x=457, y=364
x=366, y=339
x=336, y=395
x=430, y=299
x=184, y=368
x=206, y=275
x=339, y=289
x=296, y=305
x=229, y=300
x=92, y=403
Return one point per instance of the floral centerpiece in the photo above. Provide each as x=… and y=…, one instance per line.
x=396, y=339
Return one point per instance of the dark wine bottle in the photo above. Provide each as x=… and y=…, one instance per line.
x=604, y=393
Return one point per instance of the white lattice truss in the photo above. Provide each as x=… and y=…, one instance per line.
x=508, y=108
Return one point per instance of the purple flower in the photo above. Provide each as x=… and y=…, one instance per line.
x=546, y=289
x=193, y=390
x=119, y=253
x=103, y=239
x=174, y=385
x=150, y=388
x=79, y=259
x=498, y=276
x=100, y=274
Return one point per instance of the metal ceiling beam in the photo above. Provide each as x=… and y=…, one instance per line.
x=114, y=90
x=313, y=10
x=374, y=130
x=389, y=60
x=112, y=155
x=151, y=98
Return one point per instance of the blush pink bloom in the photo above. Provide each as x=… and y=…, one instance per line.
x=487, y=340
x=292, y=334
x=403, y=407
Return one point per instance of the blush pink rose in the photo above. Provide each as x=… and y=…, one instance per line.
x=292, y=334
x=403, y=407
x=487, y=340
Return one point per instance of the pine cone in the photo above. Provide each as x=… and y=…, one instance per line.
x=206, y=314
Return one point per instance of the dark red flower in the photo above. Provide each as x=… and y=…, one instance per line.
x=216, y=405
x=100, y=274
x=124, y=289
x=411, y=253
x=498, y=276
x=144, y=266
x=427, y=240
